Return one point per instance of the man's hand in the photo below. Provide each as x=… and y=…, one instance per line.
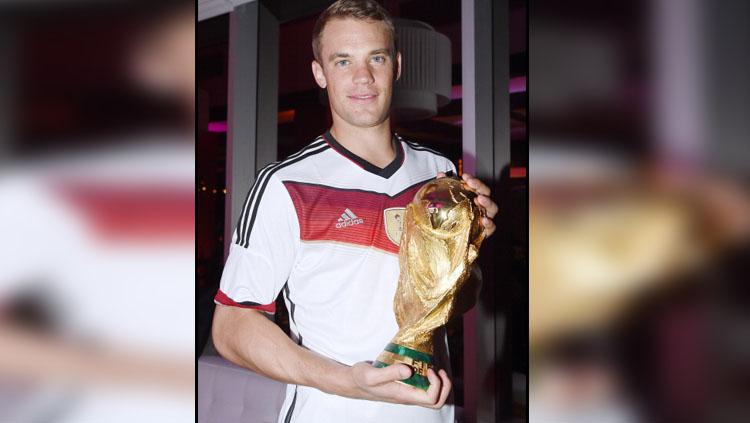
x=380, y=384
x=483, y=200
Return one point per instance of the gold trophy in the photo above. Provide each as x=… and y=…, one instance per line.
x=440, y=239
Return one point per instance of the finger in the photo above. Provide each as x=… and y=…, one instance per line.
x=433, y=392
x=441, y=175
x=479, y=187
x=378, y=376
x=490, y=207
x=468, y=178
x=476, y=184
x=401, y=393
x=446, y=390
x=489, y=226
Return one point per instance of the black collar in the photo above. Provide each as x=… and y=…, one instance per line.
x=385, y=172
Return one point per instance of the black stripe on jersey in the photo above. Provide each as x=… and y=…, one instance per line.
x=250, y=199
x=419, y=147
x=242, y=226
x=291, y=313
x=289, y=412
x=291, y=407
x=250, y=303
x=252, y=211
x=252, y=194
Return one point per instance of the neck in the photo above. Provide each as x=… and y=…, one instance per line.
x=372, y=144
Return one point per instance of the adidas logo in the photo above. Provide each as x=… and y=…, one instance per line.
x=348, y=218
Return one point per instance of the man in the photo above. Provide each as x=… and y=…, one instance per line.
x=315, y=226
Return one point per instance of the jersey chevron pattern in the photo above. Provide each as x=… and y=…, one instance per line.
x=315, y=203
x=323, y=226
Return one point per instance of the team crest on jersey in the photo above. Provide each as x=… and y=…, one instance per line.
x=394, y=223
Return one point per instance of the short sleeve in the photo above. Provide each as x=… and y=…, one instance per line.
x=263, y=249
x=450, y=167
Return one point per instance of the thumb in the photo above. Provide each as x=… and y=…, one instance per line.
x=441, y=175
x=389, y=374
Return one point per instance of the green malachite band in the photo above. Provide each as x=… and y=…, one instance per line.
x=415, y=380
x=408, y=352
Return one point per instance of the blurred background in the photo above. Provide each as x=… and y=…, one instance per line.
x=97, y=211
x=639, y=211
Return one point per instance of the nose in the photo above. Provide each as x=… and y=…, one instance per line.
x=363, y=75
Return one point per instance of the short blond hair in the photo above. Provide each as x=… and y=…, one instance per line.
x=366, y=10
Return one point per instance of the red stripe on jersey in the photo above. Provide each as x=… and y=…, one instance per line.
x=148, y=213
x=319, y=208
x=223, y=299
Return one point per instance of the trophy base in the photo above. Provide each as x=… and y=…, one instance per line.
x=418, y=361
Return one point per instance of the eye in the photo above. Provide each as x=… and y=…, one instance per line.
x=342, y=62
x=379, y=59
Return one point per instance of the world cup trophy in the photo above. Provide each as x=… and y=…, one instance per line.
x=442, y=233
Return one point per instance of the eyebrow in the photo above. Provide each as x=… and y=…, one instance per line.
x=385, y=51
x=337, y=55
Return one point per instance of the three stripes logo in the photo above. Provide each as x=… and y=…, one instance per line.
x=348, y=218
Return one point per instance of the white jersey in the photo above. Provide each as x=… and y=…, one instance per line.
x=323, y=225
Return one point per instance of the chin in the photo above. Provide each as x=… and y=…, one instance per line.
x=367, y=123
x=364, y=120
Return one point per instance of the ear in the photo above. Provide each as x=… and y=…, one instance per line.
x=398, y=65
x=320, y=77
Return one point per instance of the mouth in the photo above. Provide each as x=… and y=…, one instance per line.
x=363, y=98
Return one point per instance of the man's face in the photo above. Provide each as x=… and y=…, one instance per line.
x=357, y=69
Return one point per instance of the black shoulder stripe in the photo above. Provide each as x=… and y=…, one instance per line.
x=252, y=193
x=242, y=222
x=248, y=200
x=418, y=147
x=429, y=150
x=252, y=210
x=249, y=228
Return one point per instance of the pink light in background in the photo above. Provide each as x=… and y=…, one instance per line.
x=518, y=133
x=455, y=92
x=217, y=126
x=517, y=84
